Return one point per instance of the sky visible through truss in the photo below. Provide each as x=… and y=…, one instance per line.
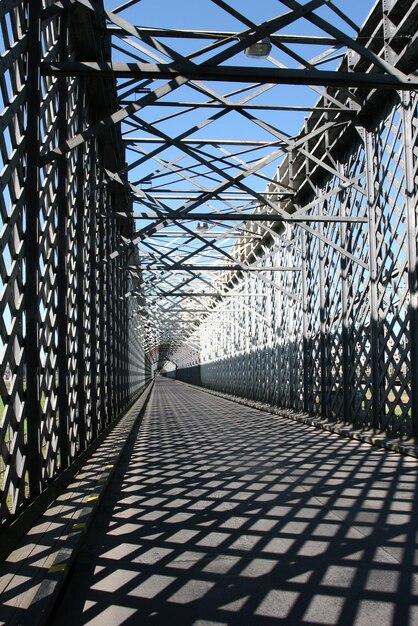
x=202, y=14
x=164, y=183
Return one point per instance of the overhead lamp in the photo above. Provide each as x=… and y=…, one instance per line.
x=259, y=49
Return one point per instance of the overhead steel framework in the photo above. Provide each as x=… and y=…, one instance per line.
x=167, y=204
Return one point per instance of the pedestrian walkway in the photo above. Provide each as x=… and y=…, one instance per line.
x=219, y=514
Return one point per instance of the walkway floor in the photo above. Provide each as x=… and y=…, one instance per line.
x=224, y=515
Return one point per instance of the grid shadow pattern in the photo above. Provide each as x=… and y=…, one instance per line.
x=220, y=515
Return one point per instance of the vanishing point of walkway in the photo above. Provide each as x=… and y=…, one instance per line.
x=221, y=514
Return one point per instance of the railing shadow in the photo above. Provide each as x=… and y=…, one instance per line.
x=220, y=514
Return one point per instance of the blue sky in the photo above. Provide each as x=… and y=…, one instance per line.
x=191, y=14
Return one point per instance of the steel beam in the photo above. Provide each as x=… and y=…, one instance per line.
x=204, y=142
x=208, y=294
x=282, y=76
x=215, y=34
x=243, y=217
x=216, y=268
x=251, y=107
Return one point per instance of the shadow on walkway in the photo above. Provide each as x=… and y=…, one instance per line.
x=223, y=515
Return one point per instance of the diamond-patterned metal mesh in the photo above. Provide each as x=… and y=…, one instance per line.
x=355, y=366
x=81, y=336
x=13, y=92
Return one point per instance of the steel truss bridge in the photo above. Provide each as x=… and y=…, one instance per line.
x=170, y=203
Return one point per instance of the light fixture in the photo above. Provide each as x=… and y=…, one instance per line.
x=259, y=49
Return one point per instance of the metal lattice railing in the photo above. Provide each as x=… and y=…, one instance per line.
x=337, y=337
x=69, y=363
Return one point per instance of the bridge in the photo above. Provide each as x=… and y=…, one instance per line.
x=209, y=295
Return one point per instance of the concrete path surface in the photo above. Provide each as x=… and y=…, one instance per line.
x=220, y=515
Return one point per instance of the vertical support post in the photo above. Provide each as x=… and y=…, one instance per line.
x=126, y=312
x=110, y=312
x=33, y=405
x=305, y=324
x=247, y=324
x=118, y=339
x=346, y=361
x=125, y=337
x=268, y=358
x=103, y=339
x=323, y=325
x=16, y=364
x=279, y=353
x=411, y=220
x=291, y=354
x=80, y=270
x=93, y=289
x=118, y=343
x=62, y=245
x=373, y=271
